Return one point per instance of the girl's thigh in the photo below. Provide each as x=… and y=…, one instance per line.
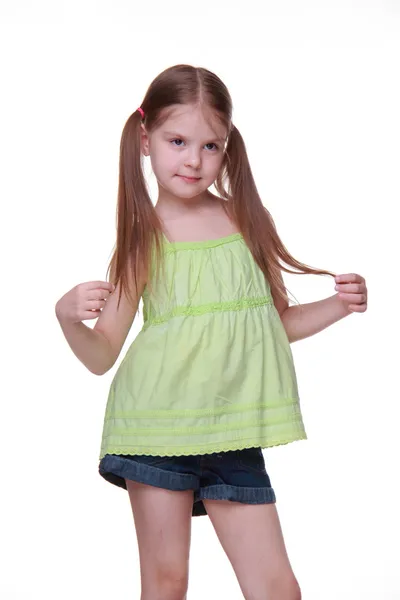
x=163, y=527
x=252, y=539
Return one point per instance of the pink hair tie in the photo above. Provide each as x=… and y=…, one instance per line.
x=141, y=112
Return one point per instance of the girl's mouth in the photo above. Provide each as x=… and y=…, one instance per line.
x=189, y=179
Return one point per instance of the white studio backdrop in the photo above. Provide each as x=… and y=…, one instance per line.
x=316, y=94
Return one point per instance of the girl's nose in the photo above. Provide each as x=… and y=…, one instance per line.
x=193, y=160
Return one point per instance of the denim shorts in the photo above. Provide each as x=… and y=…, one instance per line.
x=236, y=475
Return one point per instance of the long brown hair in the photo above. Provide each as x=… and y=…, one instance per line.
x=139, y=229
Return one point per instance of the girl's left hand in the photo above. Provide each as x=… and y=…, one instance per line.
x=352, y=291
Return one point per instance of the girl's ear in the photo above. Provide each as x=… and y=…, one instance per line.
x=144, y=140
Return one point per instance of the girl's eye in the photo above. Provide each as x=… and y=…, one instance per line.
x=179, y=145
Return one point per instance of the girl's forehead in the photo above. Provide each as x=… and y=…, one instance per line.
x=194, y=119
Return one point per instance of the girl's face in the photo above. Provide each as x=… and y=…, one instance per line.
x=185, y=146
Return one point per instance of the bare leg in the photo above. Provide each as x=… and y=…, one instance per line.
x=163, y=527
x=252, y=538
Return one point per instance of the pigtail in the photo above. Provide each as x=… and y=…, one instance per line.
x=137, y=223
x=236, y=184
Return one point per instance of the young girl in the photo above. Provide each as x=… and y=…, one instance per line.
x=210, y=380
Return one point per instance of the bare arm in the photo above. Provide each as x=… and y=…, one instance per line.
x=89, y=346
x=98, y=348
x=304, y=320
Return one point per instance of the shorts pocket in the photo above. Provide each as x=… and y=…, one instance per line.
x=251, y=459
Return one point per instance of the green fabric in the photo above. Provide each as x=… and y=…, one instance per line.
x=212, y=368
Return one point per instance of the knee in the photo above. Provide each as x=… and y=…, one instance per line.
x=286, y=589
x=279, y=588
x=295, y=592
x=172, y=584
x=292, y=591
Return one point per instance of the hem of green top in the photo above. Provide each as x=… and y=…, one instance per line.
x=202, y=449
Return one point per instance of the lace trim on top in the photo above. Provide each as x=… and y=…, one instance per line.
x=224, y=446
x=173, y=246
x=186, y=311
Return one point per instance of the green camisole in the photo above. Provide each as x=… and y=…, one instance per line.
x=212, y=368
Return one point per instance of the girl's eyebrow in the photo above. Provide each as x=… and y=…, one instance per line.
x=180, y=136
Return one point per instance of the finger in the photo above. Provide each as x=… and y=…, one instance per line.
x=353, y=298
x=348, y=278
x=98, y=294
x=104, y=285
x=357, y=307
x=95, y=304
x=354, y=288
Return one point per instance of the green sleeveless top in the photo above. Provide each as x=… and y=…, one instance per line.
x=212, y=368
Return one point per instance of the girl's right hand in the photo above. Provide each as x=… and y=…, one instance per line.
x=84, y=301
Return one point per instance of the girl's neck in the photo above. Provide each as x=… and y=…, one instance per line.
x=171, y=207
x=203, y=221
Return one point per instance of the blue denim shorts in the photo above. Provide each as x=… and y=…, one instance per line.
x=236, y=475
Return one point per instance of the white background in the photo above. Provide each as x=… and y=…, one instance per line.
x=316, y=94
